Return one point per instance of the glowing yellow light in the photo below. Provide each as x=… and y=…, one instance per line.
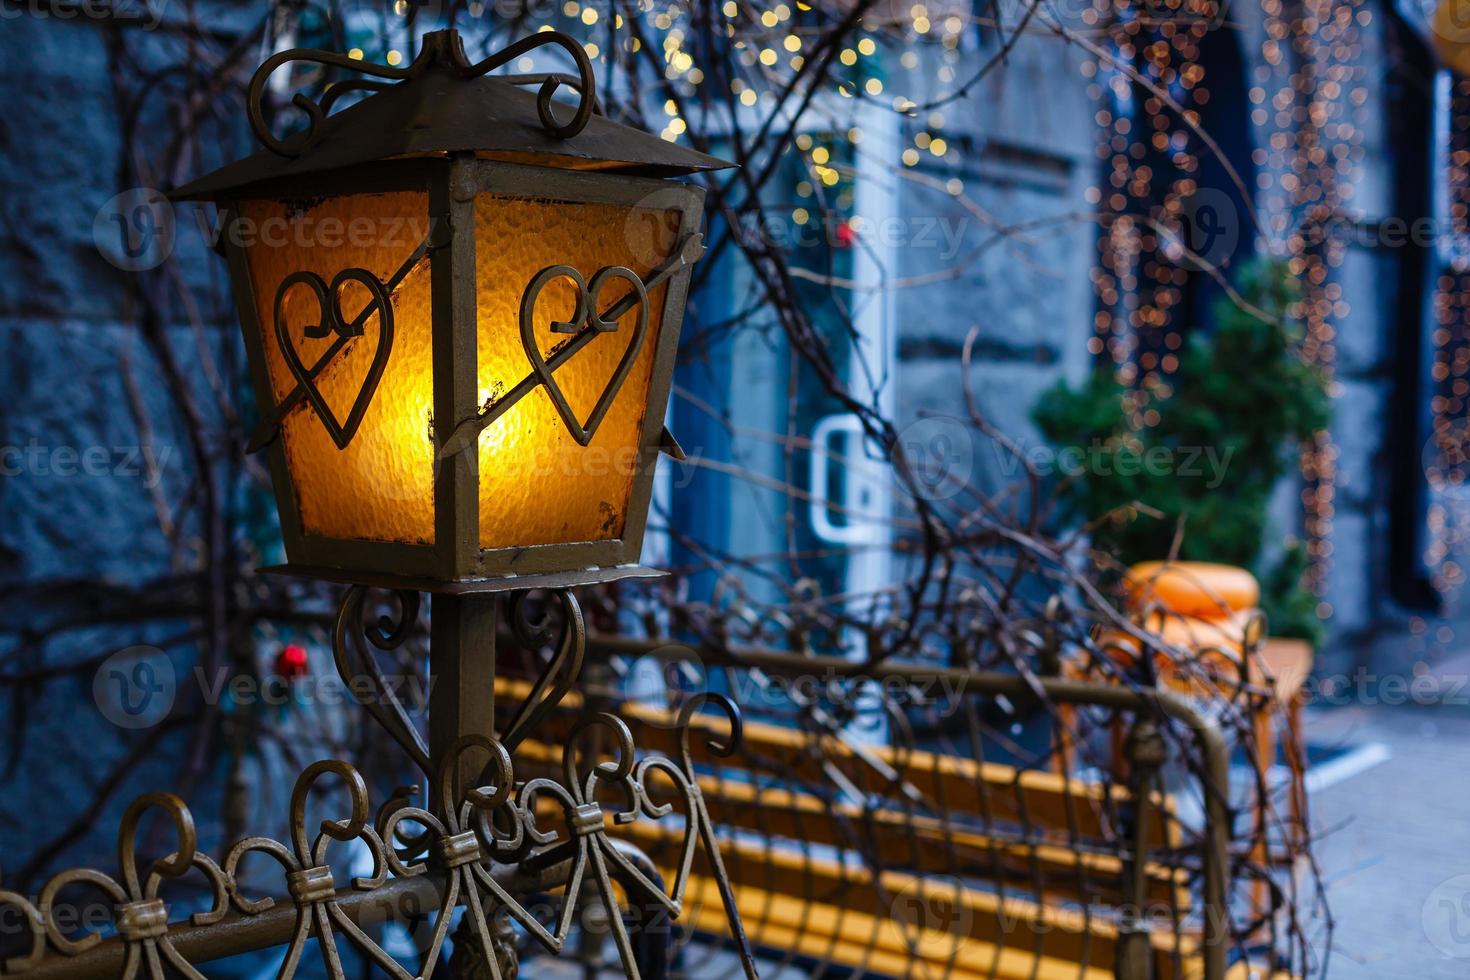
x=592, y=49
x=589, y=16
x=534, y=447
x=747, y=97
x=380, y=486
x=677, y=125
x=768, y=57
x=854, y=135
x=829, y=176
x=800, y=216
x=874, y=87
x=394, y=57
x=937, y=147
x=769, y=18
x=792, y=43
x=910, y=157
x=820, y=155
x=730, y=10
x=866, y=46
x=848, y=56
x=803, y=142
x=355, y=54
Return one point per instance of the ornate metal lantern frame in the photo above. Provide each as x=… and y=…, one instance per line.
x=455, y=561
x=507, y=148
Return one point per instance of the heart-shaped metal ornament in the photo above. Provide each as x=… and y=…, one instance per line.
x=585, y=316
x=332, y=321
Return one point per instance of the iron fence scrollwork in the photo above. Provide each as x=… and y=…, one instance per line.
x=474, y=846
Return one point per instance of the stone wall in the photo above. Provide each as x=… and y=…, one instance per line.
x=94, y=453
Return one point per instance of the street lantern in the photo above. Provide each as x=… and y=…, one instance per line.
x=461, y=302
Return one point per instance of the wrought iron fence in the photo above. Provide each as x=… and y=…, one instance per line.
x=892, y=819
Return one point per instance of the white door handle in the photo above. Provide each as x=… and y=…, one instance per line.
x=860, y=491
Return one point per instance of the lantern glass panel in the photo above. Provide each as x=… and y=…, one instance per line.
x=538, y=484
x=380, y=487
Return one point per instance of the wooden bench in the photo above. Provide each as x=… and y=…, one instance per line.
x=1238, y=662
x=912, y=863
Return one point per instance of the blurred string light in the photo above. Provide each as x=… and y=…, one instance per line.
x=1310, y=93
x=1447, y=464
x=1150, y=163
x=1306, y=93
x=864, y=73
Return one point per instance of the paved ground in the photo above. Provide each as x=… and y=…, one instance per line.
x=1396, y=850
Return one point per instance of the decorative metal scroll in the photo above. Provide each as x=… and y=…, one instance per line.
x=441, y=49
x=584, y=325
x=139, y=916
x=584, y=319
x=333, y=322
x=481, y=847
x=309, y=878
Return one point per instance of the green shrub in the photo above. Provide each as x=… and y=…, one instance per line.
x=1242, y=403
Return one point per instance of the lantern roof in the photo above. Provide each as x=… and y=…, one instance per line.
x=442, y=104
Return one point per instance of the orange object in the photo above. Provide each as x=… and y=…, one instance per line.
x=1233, y=632
x=1193, y=588
x=1451, y=34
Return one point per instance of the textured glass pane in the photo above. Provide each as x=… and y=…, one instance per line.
x=381, y=486
x=537, y=484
